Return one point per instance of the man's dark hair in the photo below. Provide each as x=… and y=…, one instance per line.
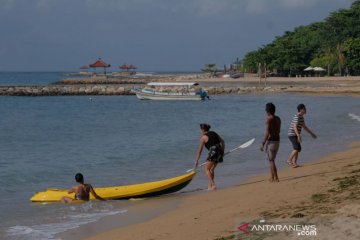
x=270, y=108
x=300, y=107
x=79, y=178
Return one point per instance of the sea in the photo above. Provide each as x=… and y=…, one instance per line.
x=120, y=140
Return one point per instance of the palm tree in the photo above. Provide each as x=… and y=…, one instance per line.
x=340, y=57
x=328, y=59
x=210, y=68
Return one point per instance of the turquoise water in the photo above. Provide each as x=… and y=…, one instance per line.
x=116, y=140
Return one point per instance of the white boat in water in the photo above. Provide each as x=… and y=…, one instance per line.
x=170, y=91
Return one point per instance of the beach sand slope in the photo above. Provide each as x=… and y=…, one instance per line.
x=324, y=193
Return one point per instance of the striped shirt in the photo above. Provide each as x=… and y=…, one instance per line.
x=299, y=121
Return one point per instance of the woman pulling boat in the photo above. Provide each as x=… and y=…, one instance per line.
x=216, y=146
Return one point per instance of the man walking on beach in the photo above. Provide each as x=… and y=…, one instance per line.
x=294, y=132
x=271, y=139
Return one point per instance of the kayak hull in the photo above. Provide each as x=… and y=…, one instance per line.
x=141, y=190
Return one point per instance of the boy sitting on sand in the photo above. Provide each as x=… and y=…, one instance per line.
x=82, y=191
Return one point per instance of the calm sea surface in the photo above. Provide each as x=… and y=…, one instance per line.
x=116, y=140
x=30, y=78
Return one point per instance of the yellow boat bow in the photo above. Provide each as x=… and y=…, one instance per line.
x=141, y=190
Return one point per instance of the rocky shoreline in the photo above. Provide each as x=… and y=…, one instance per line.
x=64, y=90
x=344, y=86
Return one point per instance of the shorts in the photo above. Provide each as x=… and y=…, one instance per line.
x=295, y=142
x=215, y=154
x=272, y=147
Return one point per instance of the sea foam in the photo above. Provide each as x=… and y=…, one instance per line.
x=48, y=231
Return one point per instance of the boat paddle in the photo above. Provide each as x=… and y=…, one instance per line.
x=244, y=145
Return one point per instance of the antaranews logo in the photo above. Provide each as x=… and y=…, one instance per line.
x=244, y=228
x=299, y=229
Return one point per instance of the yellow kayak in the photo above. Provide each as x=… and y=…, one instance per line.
x=123, y=192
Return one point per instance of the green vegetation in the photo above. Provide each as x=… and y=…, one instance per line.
x=333, y=44
x=347, y=182
x=226, y=238
x=210, y=68
x=318, y=198
x=298, y=215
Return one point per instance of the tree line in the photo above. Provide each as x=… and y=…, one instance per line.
x=333, y=44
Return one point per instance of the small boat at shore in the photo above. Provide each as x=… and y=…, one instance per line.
x=173, y=91
x=141, y=190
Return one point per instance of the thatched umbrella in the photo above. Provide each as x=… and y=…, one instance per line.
x=85, y=67
x=132, y=67
x=124, y=67
x=100, y=64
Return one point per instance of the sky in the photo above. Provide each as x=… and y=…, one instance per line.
x=155, y=35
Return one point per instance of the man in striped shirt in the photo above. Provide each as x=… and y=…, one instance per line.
x=294, y=132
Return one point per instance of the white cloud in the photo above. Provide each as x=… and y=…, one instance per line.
x=44, y=4
x=253, y=7
x=298, y=3
x=201, y=7
x=263, y=6
x=13, y=4
x=256, y=6
x=213, y=7
x=7, y=4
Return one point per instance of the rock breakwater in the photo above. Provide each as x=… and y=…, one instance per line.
x=106, y=89
x=63, y=90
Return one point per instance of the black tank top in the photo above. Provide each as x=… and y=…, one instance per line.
x=213, y=139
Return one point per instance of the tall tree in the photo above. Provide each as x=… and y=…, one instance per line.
x=321, y=43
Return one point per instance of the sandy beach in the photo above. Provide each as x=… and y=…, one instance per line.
x=324, y=193
x=305, y=85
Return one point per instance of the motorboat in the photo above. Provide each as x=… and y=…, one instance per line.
x=171, y=91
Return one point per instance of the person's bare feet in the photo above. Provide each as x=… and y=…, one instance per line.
x=273, y=180
x=211, y=188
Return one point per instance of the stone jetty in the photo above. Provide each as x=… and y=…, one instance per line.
x=63, y=90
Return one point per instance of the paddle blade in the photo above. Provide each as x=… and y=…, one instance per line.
x=244, y=145
x=248, y=143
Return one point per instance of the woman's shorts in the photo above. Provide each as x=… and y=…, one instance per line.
x=215, y=154
x=295, y=142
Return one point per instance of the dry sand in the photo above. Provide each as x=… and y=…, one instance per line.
x=307, y=85
x=324, y=193
x=349, y=86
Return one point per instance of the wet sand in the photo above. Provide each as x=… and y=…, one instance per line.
x=324, y=193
